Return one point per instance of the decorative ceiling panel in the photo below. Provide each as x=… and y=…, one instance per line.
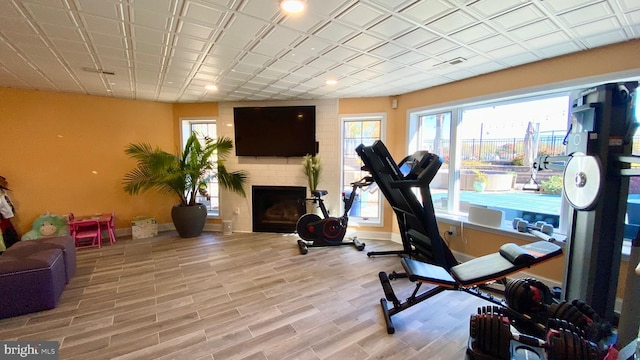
x=168, y=50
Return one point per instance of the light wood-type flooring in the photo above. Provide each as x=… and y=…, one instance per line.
x=241, y=296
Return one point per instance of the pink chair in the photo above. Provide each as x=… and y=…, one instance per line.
x=86, y=233
x=70, y=219
x=111, y=227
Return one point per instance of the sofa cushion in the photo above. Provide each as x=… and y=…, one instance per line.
x=31, y=283
x=65, y=243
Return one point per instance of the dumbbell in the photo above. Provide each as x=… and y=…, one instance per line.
x=540, y=229
x=583, y=317
x=529, y=300
x=523, y=226
x=533, y=298
x=491, y=334
x=527, y=295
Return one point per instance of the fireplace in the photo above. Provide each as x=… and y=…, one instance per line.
x=277, y=208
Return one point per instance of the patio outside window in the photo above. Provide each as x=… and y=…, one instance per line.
x=491, y=155
x=356, y=130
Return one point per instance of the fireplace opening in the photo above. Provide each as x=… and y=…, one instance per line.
x=277, y=208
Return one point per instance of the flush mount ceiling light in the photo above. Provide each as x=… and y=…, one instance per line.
x=292, y=6
x=211, y=88
x=331, y=82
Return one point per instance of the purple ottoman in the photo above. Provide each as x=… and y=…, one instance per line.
x=31, y=283
x=64, y=243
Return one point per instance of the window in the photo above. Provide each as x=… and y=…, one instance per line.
x=491, y=155
x=204, y=128
x=356, y=130
x=632, y=223
x=432, y=132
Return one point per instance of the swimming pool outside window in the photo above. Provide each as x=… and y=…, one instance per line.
x=487, y=152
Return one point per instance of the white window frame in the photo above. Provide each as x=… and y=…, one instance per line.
x=185, y=132
x=457, y=110
x=382, y=117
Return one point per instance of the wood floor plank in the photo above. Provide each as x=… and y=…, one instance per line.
x=301, y=342
x=242, y=296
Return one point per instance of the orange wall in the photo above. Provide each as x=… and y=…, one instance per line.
x=379, y=105
x=52, y=143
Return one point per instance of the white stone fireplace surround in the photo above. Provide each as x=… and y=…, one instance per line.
x=280, y=171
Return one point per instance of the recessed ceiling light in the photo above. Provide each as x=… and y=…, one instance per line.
x=292, y=6
x=331, y=82
x=211, y=87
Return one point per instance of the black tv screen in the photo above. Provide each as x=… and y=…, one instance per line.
x=286, y=131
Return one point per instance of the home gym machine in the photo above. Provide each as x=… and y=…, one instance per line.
x=329, y=230
x=597, y=167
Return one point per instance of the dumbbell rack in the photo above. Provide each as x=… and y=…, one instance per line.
x=517, y=350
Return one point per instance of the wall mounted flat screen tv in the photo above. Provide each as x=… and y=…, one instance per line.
x=285, y=131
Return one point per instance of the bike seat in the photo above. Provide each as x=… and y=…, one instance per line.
x=319, y=193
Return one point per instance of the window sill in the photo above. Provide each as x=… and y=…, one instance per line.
x=506, y=230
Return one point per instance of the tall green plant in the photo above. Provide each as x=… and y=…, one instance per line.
x=185, y=174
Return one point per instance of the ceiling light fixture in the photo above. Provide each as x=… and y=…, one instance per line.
x=211, y=87
x=331, y=82
x=292, y=6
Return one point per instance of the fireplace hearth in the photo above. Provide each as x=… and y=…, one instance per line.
x=277, y=208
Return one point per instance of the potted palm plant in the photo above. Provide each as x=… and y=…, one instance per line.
x=184, y=175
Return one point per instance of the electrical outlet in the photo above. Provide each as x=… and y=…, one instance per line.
x=453, y=231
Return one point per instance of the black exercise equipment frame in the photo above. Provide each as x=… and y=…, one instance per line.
x=417, y=223
x=329, y=231
x=426, y=256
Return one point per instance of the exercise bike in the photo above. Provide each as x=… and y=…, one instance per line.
x=328, y=231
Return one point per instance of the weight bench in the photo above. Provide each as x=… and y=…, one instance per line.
x=426, y=258
x=510, y=259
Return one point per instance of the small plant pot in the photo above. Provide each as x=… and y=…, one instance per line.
x=479, y=186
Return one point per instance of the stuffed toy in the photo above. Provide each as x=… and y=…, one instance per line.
x=47, y=225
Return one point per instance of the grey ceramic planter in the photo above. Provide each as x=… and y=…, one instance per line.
x=189, y=220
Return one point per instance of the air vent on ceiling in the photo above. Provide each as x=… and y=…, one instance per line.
x=454, y=61
x=457, y=61
x=98, y=71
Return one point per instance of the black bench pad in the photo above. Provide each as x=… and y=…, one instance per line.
x=485, y=268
